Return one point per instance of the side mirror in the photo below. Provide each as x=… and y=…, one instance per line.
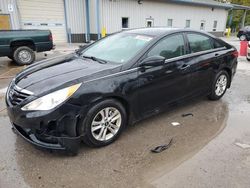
x=81, y=48
x=153, y=61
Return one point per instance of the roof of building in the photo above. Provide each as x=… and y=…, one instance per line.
x=207, y=3
x=240, y=7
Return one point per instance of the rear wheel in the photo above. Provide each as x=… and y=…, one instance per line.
x=104, y=123
x=248, y=59
x=23, y=55
x=220, y=85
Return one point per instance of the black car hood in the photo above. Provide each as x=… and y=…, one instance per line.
x=48, y=75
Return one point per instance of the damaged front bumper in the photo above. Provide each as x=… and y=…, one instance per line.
x=70, y=144
x=54, y=130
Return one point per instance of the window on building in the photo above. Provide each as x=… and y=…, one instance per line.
x=125, y=23
x=199, y=43
x=203, y=23
x=188, y=23
x=44, y=24
x=170, y=22
x=215, y=25
x=149, y=23
x=169, y=47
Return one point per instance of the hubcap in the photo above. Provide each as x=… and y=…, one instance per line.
x=221, y=85
x=106, y=124
x=24, y=56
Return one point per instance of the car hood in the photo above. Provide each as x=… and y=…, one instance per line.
x=64, y=70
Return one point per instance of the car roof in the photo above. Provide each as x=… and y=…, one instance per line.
x=159, y=31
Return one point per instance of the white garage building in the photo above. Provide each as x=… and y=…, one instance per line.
x=84, y=20
x=44, y=14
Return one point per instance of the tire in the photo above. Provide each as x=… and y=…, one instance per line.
x=23, y=55
x=216, y=93
x=86, y=128
x=248, y=59
x=10, y=57
x=243, y=37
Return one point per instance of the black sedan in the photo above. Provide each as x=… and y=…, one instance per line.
x=93, y=94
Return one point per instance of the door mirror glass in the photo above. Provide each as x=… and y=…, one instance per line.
x=153, y=61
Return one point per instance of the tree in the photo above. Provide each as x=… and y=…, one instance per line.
x=238, y=14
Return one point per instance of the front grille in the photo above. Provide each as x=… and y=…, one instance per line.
x=18, y=95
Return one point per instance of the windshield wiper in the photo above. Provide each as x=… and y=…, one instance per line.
x=95, y=59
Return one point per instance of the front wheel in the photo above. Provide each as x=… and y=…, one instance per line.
x=104, y=123
x=220, y=85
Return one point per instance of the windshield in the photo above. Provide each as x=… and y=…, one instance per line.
x=118, y=48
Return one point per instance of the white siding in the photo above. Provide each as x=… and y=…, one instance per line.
x=92, y=15
x=13, y=15
x=76, y=16
x=44, y=14
x=160, y=12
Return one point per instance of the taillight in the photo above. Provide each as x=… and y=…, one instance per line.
x=235, y=53
x=50, y=37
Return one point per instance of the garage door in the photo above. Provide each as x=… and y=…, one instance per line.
x=4, y=22
x=44, y=14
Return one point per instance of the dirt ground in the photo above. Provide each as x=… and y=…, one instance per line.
x=203, y=154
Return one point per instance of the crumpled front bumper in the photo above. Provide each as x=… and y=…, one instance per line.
x=69, y=144
x=54, y=130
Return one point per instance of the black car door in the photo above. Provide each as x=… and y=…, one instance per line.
x=161, y=85
x=203, y=58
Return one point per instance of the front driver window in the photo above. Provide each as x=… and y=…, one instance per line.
x=169, y=47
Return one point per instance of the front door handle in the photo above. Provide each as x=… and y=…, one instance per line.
x=185, y=66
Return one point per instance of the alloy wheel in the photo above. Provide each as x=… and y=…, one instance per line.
x=106, y=124
x=221, y=85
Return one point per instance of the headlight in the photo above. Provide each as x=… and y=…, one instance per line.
x=51, y=100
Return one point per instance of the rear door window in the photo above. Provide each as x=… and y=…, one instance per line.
x=217, y=44
x=199, y=43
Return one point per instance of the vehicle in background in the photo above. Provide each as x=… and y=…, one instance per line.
x=244, y=34
x=248, y=51
x=92, y=95
x=21, y=45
